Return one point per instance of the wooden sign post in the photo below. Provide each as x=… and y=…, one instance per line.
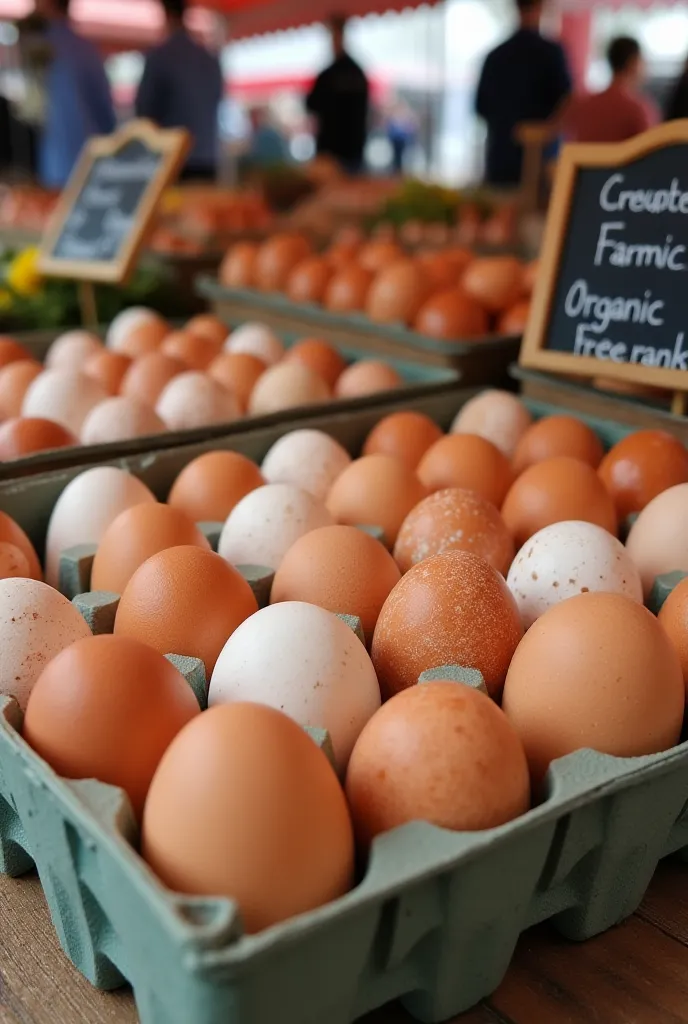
x=106, y=211
x=612, y=292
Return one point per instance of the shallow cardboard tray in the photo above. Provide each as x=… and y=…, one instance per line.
x=434, y=921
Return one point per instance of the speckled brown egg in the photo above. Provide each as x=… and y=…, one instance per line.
x=558, y=435
x=404, y=435
x=376, y=490
x=469, y=462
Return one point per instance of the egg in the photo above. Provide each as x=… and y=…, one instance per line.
x=442, y=753
x=130, y=318
x=36, y=623
x=108, y=369
x=367, y=377
x=12, y=352
x=444, y=268
x=72, y=350
x=597, y=671
x=673, y=618
x=452, y=316
x=404, y=435
x=194, y=351
x=376, y=490
x=453, y=609
x=454, y=520
x=285, y=843
x=210, y=486
x=192, y=400
x=120, y=419
x=13, y=562
x=238, y=373
x=26, y=436
x=100, y=697
x=306, y=662
x=309, y=279
x=567, y=559
x=185, y=600
x=498, y=416
x=341, y=569
x=140, y=338
x=553, y=436
x=379, y=254
x=276, y=260
x=287, y=386
x=63, y=396
x=85, y=509
x=469, y=462
x=348, y=289
x=205, y=325
x=319, y=357
x=12, y=534
x=555, y=491
x=515, y=320
x=148, y=377
x=496, y=282
x=238, y=268
x=256, y=340
x=135, y=535
x=397, y=293
x=641, y=466
x=658, y=540
x=15, y=379
x=310, y=459
x=264, y=525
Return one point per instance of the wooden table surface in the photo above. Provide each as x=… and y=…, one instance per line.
x=635, y=974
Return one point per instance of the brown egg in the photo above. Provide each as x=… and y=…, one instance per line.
x=596, y=671
x=134, y=536
x=555, y=491
x=11, y=352
x=238, y=268
x=496, y=282
x=25, y=435
x=15, y=379
x=209, y=487
x=658, y=540
x=276, y=259
x=108, y=369
x=319, y=357
x=341, y=569
x=453, y=609
x=443, y=753
x=674, y=619
x=469, y=462
x=444, y=268
x=309, y=279
x=244, y=805
x=289, y=385
x=397, y=293
x=196, y=352
x=207, y=326
x=558, y=435
x=12, y=533
x=452, y=316
x=146, y=380
x=239, y=373
x=404, y=435
x=348, y=289
x=515, y=320
x=379, y=254
x=376, y=490
x=454, y=520
x=103, y=696
x=142, y=338
x=640, y=467
x=185, y=601
x=367, y=377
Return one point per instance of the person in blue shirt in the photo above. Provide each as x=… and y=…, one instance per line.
x=527, y=78
x=78, y=98
x=182, y=87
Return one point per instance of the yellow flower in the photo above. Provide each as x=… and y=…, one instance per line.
x=22, y=276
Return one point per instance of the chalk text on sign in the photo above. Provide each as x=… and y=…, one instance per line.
x=668, y=256
x=620, y=352
x=605, y=309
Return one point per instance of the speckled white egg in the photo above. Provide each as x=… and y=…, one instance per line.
x=568, y=559
x=36, y=623
x=72, y=350
x=264, y=525
x=306, y=662
x=125, y=322
x=86, y=508
x=497, y=416
x=192, y=400
x=63, y=396
x=256, y=340
x=120, y=419
x=309, y=459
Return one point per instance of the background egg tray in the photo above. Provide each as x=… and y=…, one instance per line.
x=435, y=918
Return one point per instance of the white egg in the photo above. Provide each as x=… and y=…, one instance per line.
x=71, y=350
x=264, y=525
x=287, y=386
x=567, y=559
x=309, y=459
x=120, y=419
x=658, y=541
x=36, y=623
x=193, y=400
x=256, y=340
x=306, y=662
x=86, y=508
x=497, y=416
x=125, y=322
x=64, y=396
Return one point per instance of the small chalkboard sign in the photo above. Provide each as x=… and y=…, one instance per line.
x=107, y=208
x=612, y=292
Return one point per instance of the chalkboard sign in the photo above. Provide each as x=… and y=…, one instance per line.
x=107, y=208
x=612, y=292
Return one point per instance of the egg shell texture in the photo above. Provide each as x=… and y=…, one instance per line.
x=309, y=459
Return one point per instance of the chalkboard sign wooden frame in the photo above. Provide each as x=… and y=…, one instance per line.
x=169, y=146
x=574, y=161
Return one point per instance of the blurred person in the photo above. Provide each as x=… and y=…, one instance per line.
x=677, y=103
x=78, y=102
x=402, y=131
x=268, y=145
x=182, y=87
x=340, y=100
x=525, y=79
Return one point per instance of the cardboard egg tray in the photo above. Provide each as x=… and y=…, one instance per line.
x=433, y=921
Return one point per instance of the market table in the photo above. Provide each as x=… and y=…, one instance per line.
x=635, y=974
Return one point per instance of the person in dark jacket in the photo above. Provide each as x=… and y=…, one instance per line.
x=340, y=100
x=525, y=79
x=677, y=104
